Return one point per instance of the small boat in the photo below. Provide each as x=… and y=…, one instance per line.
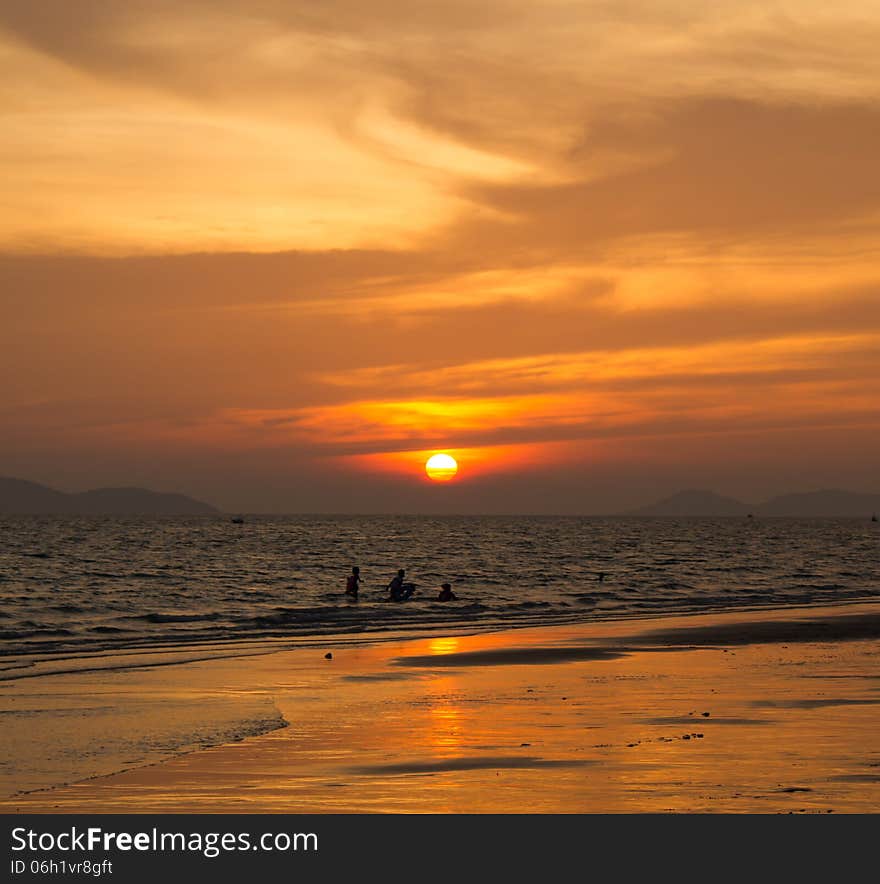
x=237, y=520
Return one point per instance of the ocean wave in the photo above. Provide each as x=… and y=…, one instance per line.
x=160, y=617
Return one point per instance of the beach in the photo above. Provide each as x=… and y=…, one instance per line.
x=770, y=711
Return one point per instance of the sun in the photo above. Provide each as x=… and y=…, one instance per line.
x=441, y=467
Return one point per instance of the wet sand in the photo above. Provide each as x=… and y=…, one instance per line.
x=748, y=712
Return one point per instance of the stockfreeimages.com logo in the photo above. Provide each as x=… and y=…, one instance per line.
x=209, y=844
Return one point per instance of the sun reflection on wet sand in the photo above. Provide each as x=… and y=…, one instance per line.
x=443, y=645
x=446, y=731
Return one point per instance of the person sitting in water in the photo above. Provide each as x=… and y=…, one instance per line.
x=398, y=591
x=352, y=584
x=446, y=593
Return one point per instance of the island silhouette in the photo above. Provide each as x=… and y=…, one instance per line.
x=20, y=497
x=828, y=503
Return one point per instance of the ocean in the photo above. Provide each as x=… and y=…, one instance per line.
x=71, y=585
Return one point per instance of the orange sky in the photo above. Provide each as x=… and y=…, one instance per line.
x=274, y=254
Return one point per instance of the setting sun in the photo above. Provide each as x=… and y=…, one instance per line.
x=441, y=467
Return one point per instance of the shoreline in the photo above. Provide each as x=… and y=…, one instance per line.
x=11, y=663
x=475, y=703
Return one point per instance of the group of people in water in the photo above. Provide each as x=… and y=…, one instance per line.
x=398, y=590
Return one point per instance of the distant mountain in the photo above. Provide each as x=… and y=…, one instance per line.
x=810, y=504
x=831, y=503
x=695, y=503
x=20, y=497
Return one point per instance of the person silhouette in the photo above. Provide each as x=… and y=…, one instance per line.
x=446, y=593
x=398, y=591
x=352, y=584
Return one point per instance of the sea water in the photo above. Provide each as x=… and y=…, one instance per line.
x=71, y=584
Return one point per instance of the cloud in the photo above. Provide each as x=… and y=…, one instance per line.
x=720, y=168
x=274, y=125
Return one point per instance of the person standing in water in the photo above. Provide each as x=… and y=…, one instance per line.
x=352, y=584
